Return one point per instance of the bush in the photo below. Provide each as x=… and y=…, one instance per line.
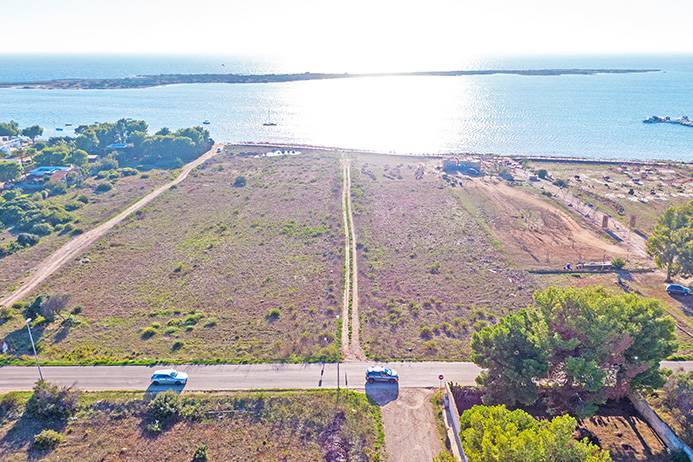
x=561, y=183
x=426, y=332
x=9, y=406
x=52, y=402
x=200, y=453
x=72, y=206
x=27, y=239
x=48, y=439
x=56, y=188
x=127, y=171
x=273, y=314
x=82, y=198
x=542, y=173
x=5, y=314
x=618, y=263
x=103, y=187
x=177, y=345
x=164, y=408
x=444, y=456
x=42, y=229
x=148, y=332
x=239, y=182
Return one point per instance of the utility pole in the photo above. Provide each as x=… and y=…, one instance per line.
x=337, y=382
x=33, y=347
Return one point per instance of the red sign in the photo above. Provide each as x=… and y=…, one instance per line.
x=440, y=377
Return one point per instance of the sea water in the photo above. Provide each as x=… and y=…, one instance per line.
x=597, y=116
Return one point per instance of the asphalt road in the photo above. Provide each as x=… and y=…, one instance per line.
x=246, y=377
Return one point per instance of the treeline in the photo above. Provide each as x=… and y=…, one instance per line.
x=163, y=149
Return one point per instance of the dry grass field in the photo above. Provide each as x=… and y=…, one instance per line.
x=430, y=273
x=211, y=272
x=100, y=207
x=245, y=427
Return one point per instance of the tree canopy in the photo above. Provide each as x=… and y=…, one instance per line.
x=495, y=434
x=10, y=170
x=10, y=128
x=32, y=132
x=671, y=241
x=581, y=345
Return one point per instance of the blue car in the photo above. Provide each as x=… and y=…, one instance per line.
x=677, y=289
x=381, y=374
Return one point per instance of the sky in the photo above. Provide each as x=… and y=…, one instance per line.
x=362, y=33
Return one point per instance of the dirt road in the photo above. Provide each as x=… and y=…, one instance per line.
x=80, y=243
x=351, y=343
x=411, y=434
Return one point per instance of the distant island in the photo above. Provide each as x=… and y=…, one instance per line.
x=143, y=81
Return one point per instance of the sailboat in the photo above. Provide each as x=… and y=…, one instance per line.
x=269, y=123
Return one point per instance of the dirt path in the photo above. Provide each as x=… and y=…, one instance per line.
x=351, y=326
x=77, y=245
x=411, y=434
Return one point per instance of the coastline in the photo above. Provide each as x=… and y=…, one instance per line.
x=146, y=81
x=517, y=157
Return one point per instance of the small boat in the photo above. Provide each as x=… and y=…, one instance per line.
x=58, y=129
x=206, y=122
x=269, y=123
x=68, y=125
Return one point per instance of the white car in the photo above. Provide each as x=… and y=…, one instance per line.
x=169, y=377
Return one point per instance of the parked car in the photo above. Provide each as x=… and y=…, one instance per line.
x=381, y=374
x=169, y=377
x=678, y=289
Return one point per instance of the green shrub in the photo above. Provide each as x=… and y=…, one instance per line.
x=164, y=408
x=82, y=198
x=425, y=332
x=72, y=206
x=5, y=314
x=444, y=456
x=41, y=229
x=200, y=454
x=211, y=322
x=27, y=239
x=127, y=171
x=239, y=182
x=9, y=406
x=48, y=439
x=618, y=263
x=542, y=173
x=148, y=332
x=177, y=345
x=154, y=427
x=273, y=314
x=103, y=187
x=52, y=402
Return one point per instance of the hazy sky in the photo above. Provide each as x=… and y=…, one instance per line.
x=356, y=31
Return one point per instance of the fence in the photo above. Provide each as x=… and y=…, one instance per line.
x=659, y=426
x=453, y=420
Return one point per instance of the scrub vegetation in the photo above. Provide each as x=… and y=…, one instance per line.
x=240, y=426
x=208, y=272
x=429, y=274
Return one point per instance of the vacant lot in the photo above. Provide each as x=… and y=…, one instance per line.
x=100, y=206
x=240, y=263
x=533, y=232
x=430, y=273
x=276, y=426
x=622, y=191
